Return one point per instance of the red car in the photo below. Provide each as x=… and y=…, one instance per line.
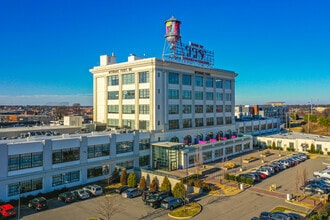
x=7, y=210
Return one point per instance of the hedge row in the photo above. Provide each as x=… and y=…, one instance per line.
x=240, y=179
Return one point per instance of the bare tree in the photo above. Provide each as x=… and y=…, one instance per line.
x=300, y=177
x=108, y=207
x=198, y=160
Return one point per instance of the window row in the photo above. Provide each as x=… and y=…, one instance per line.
x=129, y=94
x=24, y=161
x=130, y=124
x=198, y=95
x=199, y=122
x=199, y=81
x=66, y=155
x=24, y=186
x=99, y=150
x=187, y=109
x=65, y=178
x=128, y=78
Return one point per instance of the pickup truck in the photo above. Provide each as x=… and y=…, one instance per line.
x=322, y=173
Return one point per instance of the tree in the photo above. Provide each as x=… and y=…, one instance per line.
x=132, y=179
x=179, y=191
x=166, y=185
x=115, y=176
x=123, y=177
x=143, y=183
x=325, y=121
x=273, y=145
x=107, y=207
x=198, y=160
x=154, y=184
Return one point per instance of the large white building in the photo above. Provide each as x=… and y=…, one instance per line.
x=170, y=99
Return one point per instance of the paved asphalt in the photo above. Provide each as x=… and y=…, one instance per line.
x=244, y=205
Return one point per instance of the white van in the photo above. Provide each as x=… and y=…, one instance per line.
x=95, y=190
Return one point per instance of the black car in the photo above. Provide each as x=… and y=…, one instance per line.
x=38, y=203
x=121, y=189
x=156, y=199
x=66, y=197
x=146, y=194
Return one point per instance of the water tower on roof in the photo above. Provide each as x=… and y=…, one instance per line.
x=172, y=37
x=172, y=34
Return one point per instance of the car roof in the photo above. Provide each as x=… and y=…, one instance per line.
x=7, y=206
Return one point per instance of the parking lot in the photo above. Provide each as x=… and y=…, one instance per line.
x=245, y=205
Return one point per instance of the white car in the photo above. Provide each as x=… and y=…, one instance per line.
x=322, y=173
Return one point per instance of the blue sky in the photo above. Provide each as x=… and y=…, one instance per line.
x=279, y=48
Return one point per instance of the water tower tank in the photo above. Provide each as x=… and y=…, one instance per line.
x=172, y=30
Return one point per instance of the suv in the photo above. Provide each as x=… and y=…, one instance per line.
x=146, y=194
x=94, y=190
x=156, y=199
x=7, y=211
x=38, y=203
x=171, y=203
x=66, y=197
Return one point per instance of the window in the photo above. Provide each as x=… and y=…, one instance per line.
x=66, y=155
x=24, y=161
x=186, y=80
x=64, y=178
x=173, y=94
x=99, y=150
x=209, y=82
x=128, y=94
x=229, y=150
x=113, y=109
x=173, y=124
x=228, y=120
x=209, y=95
x=218, y=153
x=144, y=93
x=124, y=147
x=187, y=123
x=227, y=108
x=228, y=97
x=186, y=109
x=186, y=94
x=128, y=78
x=113, y=122
x=207, y=155
x=128, y=109
x=198, y=95
x=113, y=80
x=218, y=96
x=144, y=144
x=199, y=122
x=143, y=125
x=173, y=109
x=97, y=171
x=227, y=84
x=113, y=95
x=219, y=108
x=144, y=109
x=246, y=146
x=127, y=164
x=198, y=108
x=144, y=160
x=199, y=81
x=143, y=77
x=218, y=83
x=209, y=121
x=27, y=185
x=219, y=120
x=209, y=108
x=191, y=159
x=127, y=123
x=173, y=78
